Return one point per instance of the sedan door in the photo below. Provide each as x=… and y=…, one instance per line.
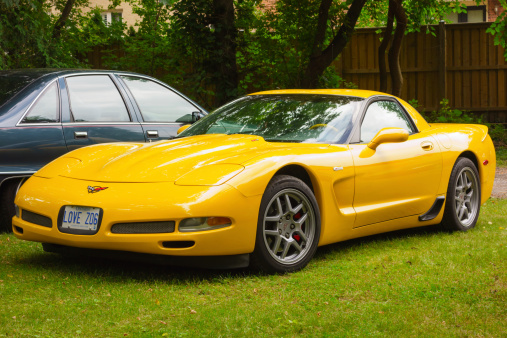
x=36, y=138
x=161, y=109
x=397, y=179
x=97, y=112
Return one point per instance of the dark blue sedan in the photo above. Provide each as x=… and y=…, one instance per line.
x=45, y=113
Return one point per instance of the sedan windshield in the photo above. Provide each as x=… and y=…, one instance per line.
x=283, y=118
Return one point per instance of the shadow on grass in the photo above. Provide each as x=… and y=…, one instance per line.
x=118, y=270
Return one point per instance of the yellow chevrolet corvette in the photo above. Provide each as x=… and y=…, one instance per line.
x=265, y=179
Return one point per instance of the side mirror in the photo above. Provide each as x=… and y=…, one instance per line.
x=196, y=116
x=182, y=128
x=388, y=135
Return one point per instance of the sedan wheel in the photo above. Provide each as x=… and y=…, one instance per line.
x=288, y=226
x=463, y=197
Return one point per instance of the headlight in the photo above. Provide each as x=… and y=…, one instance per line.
x=213, y=174
x=204, y=223
x=17, y=210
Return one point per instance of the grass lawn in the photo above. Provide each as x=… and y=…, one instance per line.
x=420, y=282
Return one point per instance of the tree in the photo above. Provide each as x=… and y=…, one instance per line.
x=321, y=58
x=410, y=16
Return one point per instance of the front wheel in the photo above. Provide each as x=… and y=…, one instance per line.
x=288, y=227
x=463, y=197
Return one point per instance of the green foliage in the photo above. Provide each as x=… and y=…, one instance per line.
x=499, y=29
x=26, y=34
x=275, y=52
x=448, y=115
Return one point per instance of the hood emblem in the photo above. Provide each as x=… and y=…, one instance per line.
x=92, y=190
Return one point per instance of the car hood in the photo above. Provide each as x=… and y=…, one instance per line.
x=163, y=161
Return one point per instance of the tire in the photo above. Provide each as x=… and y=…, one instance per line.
x=463, y=201
x=8, y=191
x=288, y=227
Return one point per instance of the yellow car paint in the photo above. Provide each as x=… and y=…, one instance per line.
x=360, y=191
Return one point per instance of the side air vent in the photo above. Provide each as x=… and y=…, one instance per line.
x=143, y=228
x=178, y=244
x=34, y=218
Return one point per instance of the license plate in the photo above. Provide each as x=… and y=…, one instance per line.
x=80, y=218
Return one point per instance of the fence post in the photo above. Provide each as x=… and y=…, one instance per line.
x=442, y=62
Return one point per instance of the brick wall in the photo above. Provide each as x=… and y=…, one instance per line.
x=494, y=9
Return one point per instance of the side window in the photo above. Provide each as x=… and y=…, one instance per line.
x=158, y=103
x=45, y=110
x=383, y=114
x=95, y=98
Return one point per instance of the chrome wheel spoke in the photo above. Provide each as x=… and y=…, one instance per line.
x=297, y=208
x=300, y=221
x=461, y=212
x=286, y=249
x=297, y=246
x=279, y=206
x=287, y=203
x=272, y=233
x=303, y=235
x=276, y=246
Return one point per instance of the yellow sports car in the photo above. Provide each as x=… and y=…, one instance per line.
x=265, y=179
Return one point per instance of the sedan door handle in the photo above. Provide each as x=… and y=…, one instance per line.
x=152, y=133
x=80, y=134
x=427, y=145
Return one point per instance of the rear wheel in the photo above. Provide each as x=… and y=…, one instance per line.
x=8, y=191
x=288, y=227
x=463, y=197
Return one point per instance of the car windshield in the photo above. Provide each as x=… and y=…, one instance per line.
x=13, y=81
x=283, y=118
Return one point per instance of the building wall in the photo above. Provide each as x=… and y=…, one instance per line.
x=494, y=10
x=124, y=8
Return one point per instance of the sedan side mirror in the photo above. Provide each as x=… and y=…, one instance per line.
x=388, y=135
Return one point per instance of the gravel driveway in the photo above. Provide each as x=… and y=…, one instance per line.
x=500, y=185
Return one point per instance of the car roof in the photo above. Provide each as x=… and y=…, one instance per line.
x=346, y=92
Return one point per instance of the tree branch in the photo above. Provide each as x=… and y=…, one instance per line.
x=383, y=47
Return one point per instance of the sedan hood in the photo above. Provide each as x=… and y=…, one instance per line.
x=164, y=161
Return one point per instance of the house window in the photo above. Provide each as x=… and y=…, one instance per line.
x=473, y=14
x=110, y=17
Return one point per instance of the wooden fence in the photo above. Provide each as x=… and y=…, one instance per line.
x=461, y=63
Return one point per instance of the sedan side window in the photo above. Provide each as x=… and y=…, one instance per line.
x=158, y=103
x=380, y=115
x=95, y=98
x=45, y=110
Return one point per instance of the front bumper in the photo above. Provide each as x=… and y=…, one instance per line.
x=141, y=202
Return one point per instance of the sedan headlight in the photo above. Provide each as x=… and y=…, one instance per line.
x=204, y=223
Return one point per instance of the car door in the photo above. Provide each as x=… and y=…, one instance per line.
x=97, y=112
x=37, y=137
x=162, y=110
x=397, y=179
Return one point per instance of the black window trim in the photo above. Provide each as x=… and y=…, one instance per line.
x=119, y=76
x=355, y=136
x=110, y=75
x=59, y=123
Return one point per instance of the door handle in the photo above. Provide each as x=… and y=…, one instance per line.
x=427, y=145
x=80, y=135
x=152, y=133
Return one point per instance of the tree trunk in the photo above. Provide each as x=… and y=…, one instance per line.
x=60, y=23
x=383, y=47
x=394, y=51
x=320, y=60
x=224, y=63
